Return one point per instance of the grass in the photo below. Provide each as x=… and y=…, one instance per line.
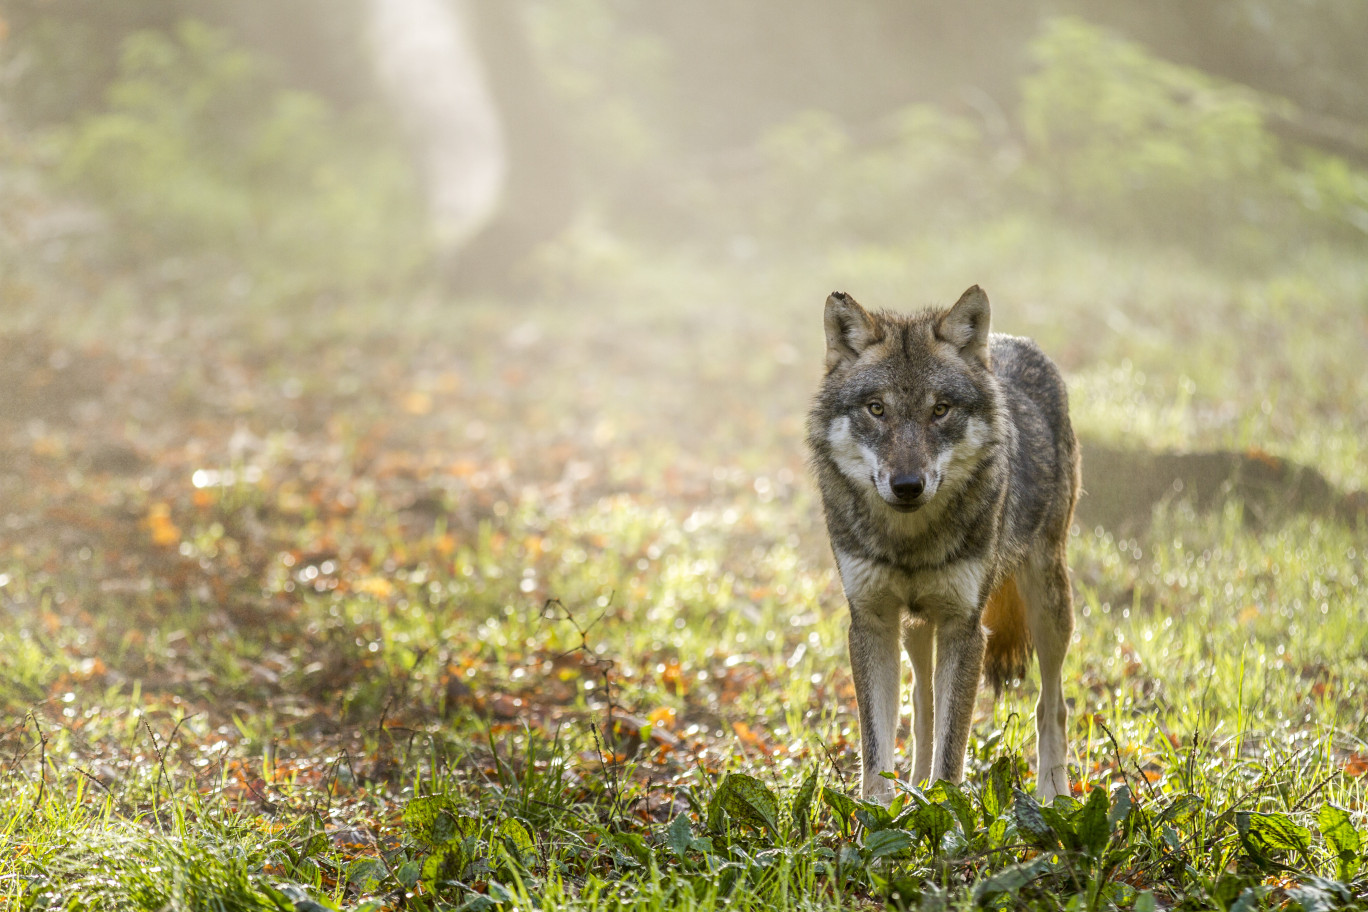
x=527, y=603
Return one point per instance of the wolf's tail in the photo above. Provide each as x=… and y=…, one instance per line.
x=1009, y=639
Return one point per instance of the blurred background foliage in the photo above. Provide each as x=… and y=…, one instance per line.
x=198, y=148
x=251, y=133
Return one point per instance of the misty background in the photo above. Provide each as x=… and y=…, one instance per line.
x=1153, y=194
x=406, y=398
x=320, y=133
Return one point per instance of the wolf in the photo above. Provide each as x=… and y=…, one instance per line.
x=948, y=472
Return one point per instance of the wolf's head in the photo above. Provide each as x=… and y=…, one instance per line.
x=909, y=404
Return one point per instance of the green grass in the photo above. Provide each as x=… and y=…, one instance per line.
x=554, y=567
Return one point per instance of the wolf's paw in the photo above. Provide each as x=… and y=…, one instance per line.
x=874, y=787
x=1052, y=783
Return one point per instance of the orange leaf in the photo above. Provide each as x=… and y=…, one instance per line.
x=663, y=717
x=673, y=675
x=417, y=402
x=164, y=531
x=743, y=731
x=377, y=586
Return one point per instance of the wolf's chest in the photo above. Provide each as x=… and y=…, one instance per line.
x=948, y=592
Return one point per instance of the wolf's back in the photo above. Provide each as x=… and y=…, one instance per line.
x=1043, y=486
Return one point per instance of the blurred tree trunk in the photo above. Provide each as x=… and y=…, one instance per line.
x=462, y=79
x=427, y=62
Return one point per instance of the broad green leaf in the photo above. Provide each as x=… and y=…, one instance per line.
x=886, y=842
x=441, y=866
x=801, y=810
x=996, y=795
x=1031, y=822
x=315, y=844
x=1145, y=902
x=1011, y=879
x=634, y=846
x=1321, y=895
x=1182, y=809
x=727, y=875
x=1250, y=900
x=1230, y=887
x=749, y=801
x=843, y=806
x=1344, y=841
x=713, y=816
x=950, y=795
x=1091, y=823
x=1274, y=831
x=295, y=898
x=1121, y=804
x=1171, y=839
x=1056, y=820
x=932, y=821
x=408, y=873
x=873, y=815
x=679, y=837
x=434, y=822
x=478, y=903
x=516, y=837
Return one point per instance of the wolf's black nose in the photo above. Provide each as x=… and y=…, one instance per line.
x=908, y=487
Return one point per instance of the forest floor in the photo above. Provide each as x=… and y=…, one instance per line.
x=526, y=601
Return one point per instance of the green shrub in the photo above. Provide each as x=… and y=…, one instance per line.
x=917, y=166
x=198, y=151
x=1129, y=142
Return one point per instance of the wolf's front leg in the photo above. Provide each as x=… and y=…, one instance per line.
x=920, y=644
x=874, y=641
x=959, y=665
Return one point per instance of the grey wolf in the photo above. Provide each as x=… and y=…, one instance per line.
x=949, y=472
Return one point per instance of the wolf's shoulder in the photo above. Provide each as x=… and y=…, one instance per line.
x=1014, y=356
x=1024, y=370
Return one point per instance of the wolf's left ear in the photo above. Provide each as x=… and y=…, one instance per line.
x=965, y=325
x=849, y=329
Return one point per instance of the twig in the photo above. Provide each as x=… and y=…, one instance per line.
x=1316, y=790
x=1116, y=748
x=161, y=768
x=42, y=767
x=845, y=781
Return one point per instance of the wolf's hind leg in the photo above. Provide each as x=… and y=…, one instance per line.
x=874, y=664
x=1049, y=615
x=919, y=642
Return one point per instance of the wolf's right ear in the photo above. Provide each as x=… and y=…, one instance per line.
x=849, y=330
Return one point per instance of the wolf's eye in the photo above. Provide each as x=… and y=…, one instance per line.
x=940, y=410
x=876, y=409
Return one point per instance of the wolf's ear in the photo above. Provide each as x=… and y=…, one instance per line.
x=849, y=330
x=965, y=325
